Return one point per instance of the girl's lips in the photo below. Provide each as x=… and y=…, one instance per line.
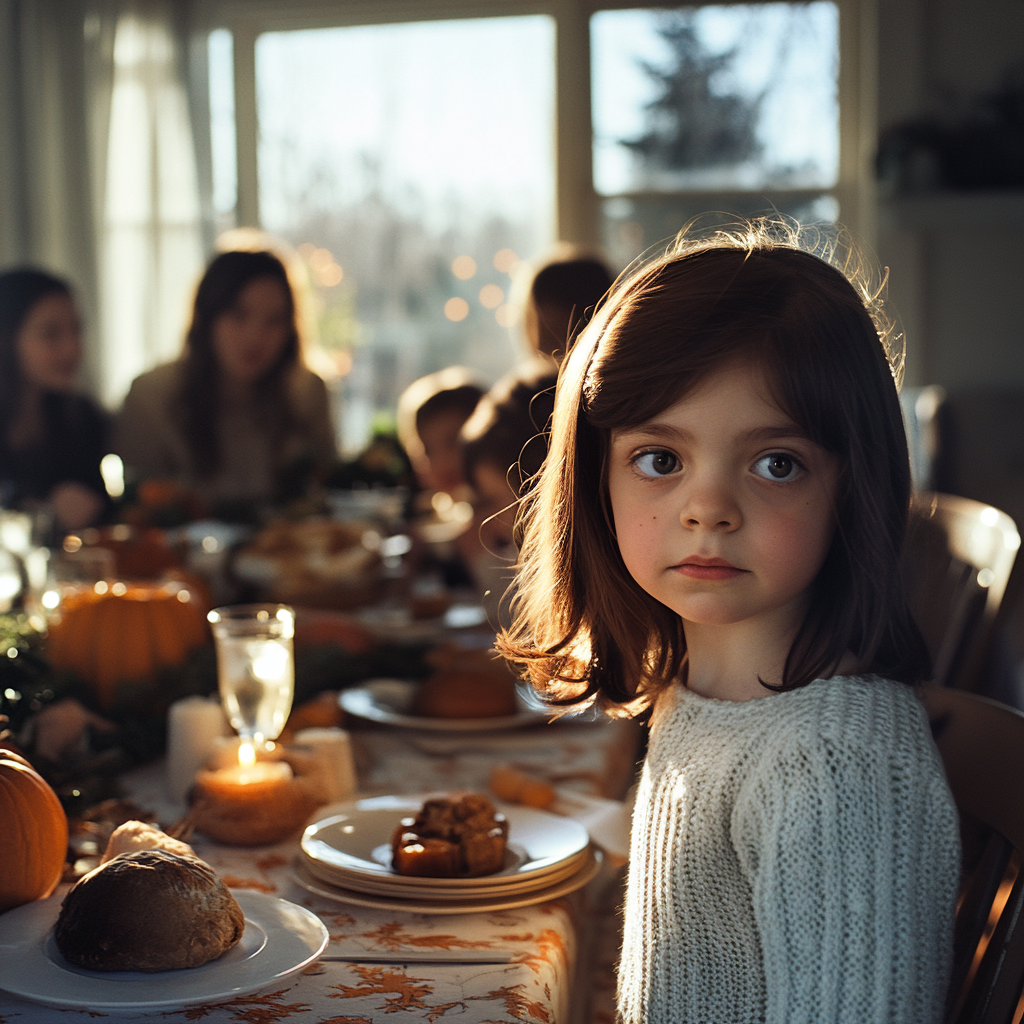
x=708, y=569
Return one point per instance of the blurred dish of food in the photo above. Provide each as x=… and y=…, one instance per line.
x=318, y=562
x=393, y=702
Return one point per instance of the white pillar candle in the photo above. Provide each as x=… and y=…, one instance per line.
x=193, y=727
x=332, y=750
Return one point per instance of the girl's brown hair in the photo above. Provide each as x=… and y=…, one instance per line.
x=582, y=627
x=199, y=401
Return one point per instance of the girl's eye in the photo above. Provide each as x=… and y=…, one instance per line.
x=656, y=463
x=778, y=466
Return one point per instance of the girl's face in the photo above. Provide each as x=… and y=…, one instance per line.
x=49, y=343
x=249, y=338
x=723, y=507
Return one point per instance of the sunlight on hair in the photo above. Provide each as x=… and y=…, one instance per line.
x=831, y=243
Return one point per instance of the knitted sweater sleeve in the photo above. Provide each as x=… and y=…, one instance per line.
x=851, y=850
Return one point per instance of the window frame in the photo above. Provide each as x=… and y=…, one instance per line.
x=577, y=205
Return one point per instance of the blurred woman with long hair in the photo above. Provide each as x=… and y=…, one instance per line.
x=238, y=419
x=52, y=438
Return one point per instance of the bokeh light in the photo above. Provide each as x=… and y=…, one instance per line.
x=456, y=309
x=491, y=296
x=505, y=261
x=463, y=267
x=330, y=276
x=505, y=314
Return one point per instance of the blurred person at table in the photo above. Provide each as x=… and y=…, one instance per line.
x=431, y=412
x=564, y=292
x=52, y=438
x=503, y=448
x=237, y=419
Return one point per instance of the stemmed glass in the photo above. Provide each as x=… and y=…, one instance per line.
x=255, y=668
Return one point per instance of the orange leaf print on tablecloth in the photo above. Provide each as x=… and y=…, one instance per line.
x=518, y=1005
x=254, y=1009
x=234, y=882
x=271, y=861
x=401, y=992
x=551, y=952
x=393, y=936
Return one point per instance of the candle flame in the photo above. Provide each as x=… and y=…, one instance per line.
x=246, y=755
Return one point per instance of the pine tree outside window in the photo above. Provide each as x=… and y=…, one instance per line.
x=714, y=109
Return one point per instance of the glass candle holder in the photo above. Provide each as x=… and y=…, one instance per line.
x=255, y=667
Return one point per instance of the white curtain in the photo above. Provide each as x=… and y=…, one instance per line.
x=47, y=214
x=151, y=231
x=100, y=179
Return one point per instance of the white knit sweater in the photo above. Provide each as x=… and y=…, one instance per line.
x=795, y=859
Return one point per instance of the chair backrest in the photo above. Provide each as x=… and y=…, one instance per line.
x=957, y=565
x=982, y=746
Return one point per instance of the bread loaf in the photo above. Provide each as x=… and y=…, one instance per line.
x=148, y=911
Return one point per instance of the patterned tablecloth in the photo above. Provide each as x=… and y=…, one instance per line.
x=559, y=969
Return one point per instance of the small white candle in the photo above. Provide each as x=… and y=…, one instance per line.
x=336, y=770
x=193, y=727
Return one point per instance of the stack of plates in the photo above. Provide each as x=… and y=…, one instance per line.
x=346, y=856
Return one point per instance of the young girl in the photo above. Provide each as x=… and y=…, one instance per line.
x=716, y=533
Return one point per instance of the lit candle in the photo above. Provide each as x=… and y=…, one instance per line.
x=251, y=802
x=249, y=780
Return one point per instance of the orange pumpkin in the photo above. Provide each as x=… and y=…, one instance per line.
x=34, y=836
x=123, y=632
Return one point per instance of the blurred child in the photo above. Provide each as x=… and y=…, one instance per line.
x=563, y=295
x=503, y=448
x=431, y=412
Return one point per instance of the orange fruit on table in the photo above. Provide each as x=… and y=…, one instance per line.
x=116, y=633
x=34, y=836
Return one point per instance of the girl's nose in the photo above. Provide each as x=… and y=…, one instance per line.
x=710, y=505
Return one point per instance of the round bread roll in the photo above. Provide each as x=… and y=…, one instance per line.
x=148, y=911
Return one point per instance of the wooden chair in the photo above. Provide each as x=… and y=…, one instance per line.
x=982, y=747
x=956, y=569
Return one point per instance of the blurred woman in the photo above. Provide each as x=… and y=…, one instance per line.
x=238, y=419
x=51, y=437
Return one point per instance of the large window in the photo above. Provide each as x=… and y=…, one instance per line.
x=731, y=109
x=416, y=167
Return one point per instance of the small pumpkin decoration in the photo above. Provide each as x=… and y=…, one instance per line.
x=122, y=632
x=34, y=836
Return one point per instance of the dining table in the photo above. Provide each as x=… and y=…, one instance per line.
x=549, y=962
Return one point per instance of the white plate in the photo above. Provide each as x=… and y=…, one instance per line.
x=280, y=939
x=484, y=905
x=390, y=701
x=356, y=840
x=510, y=887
